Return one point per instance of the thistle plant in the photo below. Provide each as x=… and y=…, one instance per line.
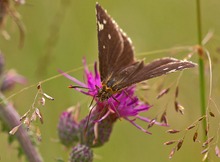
x=96, y=128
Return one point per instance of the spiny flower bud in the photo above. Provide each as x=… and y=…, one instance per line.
x=81, y=153
x=68, y=129
x=96, y=133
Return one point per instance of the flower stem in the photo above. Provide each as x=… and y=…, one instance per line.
x=201, y=70
x=11, y=118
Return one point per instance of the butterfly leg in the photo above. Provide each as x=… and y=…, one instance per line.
x=87, y=121
x=128, y=95
x=115, y=108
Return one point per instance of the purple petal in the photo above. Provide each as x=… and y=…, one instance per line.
x=85, y=66
x=72, y=78
x=133, y=101
x=141, y=108
x=97, y=76
x=138, y=126
x=149, y=120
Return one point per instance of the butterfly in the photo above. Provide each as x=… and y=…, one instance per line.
x=117, y=65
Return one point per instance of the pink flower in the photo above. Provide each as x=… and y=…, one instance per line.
x=126, y=105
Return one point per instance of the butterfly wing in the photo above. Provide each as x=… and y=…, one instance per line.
x=117, y=66
x=115, y=48
x=151, y=70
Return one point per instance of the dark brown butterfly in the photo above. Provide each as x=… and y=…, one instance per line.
x=117, y=66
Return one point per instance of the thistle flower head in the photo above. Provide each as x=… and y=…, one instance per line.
x=124, y=104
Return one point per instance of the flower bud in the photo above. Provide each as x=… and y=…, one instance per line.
x=68, y=129
x=81, y=153
x=96, y=133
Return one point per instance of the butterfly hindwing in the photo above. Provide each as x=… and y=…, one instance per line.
x=154, y=69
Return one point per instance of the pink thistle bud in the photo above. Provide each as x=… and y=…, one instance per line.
x=81, y=153
x=96, y=133
x=68, y=129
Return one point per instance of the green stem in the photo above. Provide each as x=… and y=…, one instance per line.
x=202, y=94
x=199, y=24
x=201, y=68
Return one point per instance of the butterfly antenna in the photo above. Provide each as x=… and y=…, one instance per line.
x=92, y=101
x=87, y=122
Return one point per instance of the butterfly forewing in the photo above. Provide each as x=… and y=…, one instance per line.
x=117, y=65
x=115, y=48
x=127, y=56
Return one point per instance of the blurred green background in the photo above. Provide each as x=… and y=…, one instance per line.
x=60, y=32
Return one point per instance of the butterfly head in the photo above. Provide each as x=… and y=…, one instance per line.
x=104, y=93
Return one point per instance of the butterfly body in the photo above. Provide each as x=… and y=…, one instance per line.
x=105, y=93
